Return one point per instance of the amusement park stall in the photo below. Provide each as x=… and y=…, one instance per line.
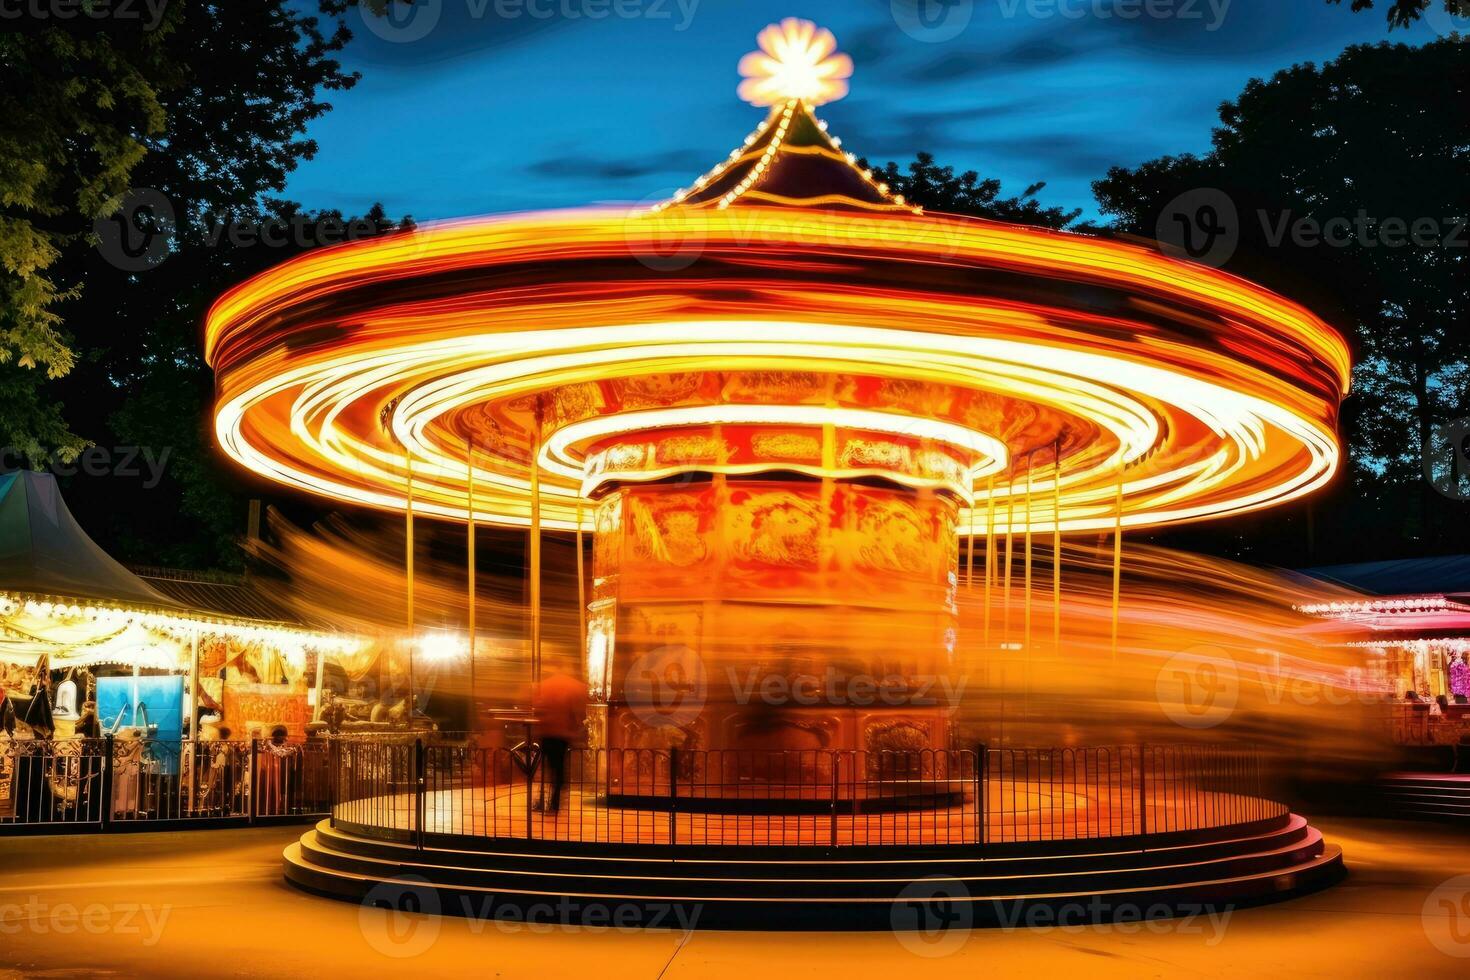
x=1411, y=623
x=138, y=697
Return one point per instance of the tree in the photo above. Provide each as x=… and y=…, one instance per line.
x=76, y=107
x=165, y=391
x=249, y=78
x=1349, y=184
x=1402, y=13
x=938, y=188
x=209, y=98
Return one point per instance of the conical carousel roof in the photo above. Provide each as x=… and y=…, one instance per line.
x=44, y=551
x=791, y=161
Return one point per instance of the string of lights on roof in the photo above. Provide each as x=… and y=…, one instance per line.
x=175, y=625
x=1406, y=604
x=796, y=69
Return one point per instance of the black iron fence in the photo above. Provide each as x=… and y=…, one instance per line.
x=97, y=783
x=410, y=790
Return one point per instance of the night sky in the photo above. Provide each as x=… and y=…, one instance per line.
x=530, y=108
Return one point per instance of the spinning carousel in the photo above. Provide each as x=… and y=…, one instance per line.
x=786, y=403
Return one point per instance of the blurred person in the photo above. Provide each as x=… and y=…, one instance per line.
x=560, y=703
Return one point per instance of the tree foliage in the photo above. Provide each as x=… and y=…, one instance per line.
x=1330, y=170
x=939, y=188
x=250, y=79
x=1402, y=13
x=75, y=109
x=208, y=113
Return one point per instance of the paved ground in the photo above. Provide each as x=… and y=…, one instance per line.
x=212, y=904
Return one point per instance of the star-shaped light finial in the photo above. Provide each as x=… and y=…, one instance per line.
x=796, y=60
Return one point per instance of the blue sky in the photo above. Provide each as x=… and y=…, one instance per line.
x=507, y=105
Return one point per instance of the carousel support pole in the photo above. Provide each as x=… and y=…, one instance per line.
x=470, y=567
x=1005, y=602
x=535, y=549
x=1026, y=666
x=1117, y=558
x=970, y=558
x=1027, y=559
x=408, y=565
x=321, y=677
x=192, y=745
x=989, y=553
x=581, y=587
x=1056, y=549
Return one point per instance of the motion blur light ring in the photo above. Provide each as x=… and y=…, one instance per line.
x=336, y=369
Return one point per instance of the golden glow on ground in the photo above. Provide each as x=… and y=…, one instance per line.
x=1214, y=395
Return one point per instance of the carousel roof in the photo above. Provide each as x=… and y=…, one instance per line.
x=219, y=594
x=44, y=551
x=1447, y=575
x=1048, y=380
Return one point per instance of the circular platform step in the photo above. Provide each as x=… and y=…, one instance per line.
x=850, y=888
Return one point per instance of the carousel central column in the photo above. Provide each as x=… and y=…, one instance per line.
x=770, y=591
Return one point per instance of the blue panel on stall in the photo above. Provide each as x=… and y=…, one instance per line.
x=164, y=698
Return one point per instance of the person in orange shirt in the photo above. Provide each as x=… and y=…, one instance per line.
x=560, y=703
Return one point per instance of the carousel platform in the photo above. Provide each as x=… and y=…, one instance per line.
x=1427, y=795
x=802, y=872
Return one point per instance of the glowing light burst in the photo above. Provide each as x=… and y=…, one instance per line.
x=1209, y=395
x=796, y=61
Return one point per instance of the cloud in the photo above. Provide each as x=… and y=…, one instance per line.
x=583, y=167
x=1042, y=51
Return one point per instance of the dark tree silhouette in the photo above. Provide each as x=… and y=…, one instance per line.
x=243, y=82
x=1402, y=13
x=939, y=188
x=1350, y=185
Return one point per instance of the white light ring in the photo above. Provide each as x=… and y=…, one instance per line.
x=558, y=453
x=1315, y=437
